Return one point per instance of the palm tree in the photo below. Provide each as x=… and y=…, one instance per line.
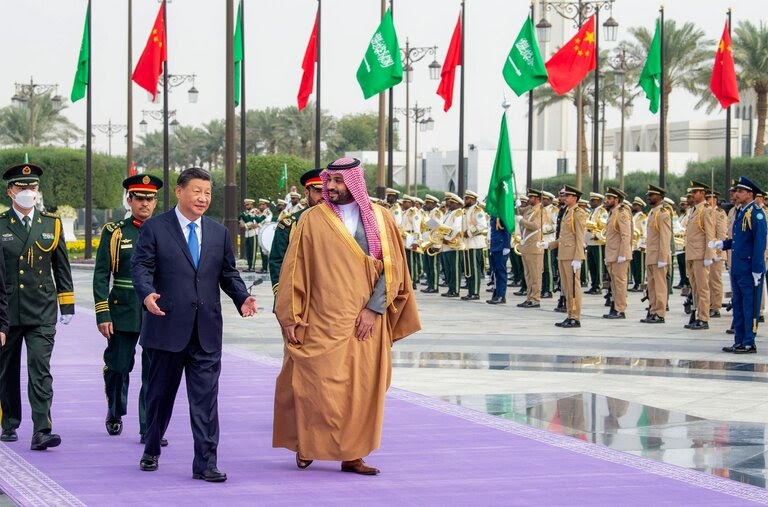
x=687, y=52
x=751, y=55
x=38, y=121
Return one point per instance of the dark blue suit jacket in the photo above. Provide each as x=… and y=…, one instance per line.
x=749, y=239
x=500, y=238
x=162, y=263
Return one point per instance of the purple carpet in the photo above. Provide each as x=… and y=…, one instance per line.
x=432, y=453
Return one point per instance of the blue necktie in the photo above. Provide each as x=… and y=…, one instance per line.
x=194, y=247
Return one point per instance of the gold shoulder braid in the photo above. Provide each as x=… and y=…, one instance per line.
x=56, y=237
x=114, y=248
x=747, y=220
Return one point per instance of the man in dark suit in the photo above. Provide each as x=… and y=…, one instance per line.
x=181, y=260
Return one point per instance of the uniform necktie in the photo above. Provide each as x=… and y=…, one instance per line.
x=27, y=223
x=194, y=246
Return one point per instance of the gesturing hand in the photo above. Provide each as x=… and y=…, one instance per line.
x=364, y=324
x=289, y=332
x=249, y=308
x=106, y=329
x=2, y=339
x=151, y=303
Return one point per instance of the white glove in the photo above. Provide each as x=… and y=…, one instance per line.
x=707, y=262
x=542, y=244
x=661, y=264
x=518, y=202
x=621, y=259
x=505, y=251
x=756, y=277
x=576, y=265
x=715, y=244
x=66, y=319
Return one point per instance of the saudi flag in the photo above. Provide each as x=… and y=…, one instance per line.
x=650, y=77
x=381, y=67
x=501, y=192
x=81, y=76
x=238, y=54
x=524, y=69
x=284, y=179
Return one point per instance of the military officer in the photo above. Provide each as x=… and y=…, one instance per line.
x=618, y=249
x=549, y=219
x=433, y=216
x=294, y=204
x=515, y=259
x=595, y=245
x=248, y=223
x=453, y=244
x=530, y=236
x=474, y=230
x=570, y=246
x=411, y=227
x=747, y=273
x=37, y=274
x=394, y=206
x=118, y=312
x=263, y=216
x=658, y=255
x=716, y=269
x=685, y=214
x=698, y=255
x=639, y=225
x=313, y=190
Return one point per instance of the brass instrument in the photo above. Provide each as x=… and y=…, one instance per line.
x=432, y=245
x=516, y=243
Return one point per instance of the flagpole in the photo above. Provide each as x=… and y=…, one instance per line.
x=318, y=113
x=462, y=169
x=129, y=122
x=728, y=130
x=529, y=161
x=662, y=129
x=88, y=152
x=166, y=157
x=230, y=186
x=596, y=110
x=390, y=119
x=243, y=155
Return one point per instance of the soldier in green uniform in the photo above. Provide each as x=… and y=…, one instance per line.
x=118, y=312
x=313, y=190
x=262, y=217
x=247, y=221
x=37, y=271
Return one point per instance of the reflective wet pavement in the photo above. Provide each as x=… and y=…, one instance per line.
x=734, y=450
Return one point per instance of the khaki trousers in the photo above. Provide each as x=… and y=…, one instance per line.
x=572, y=294
x=657, y=289
x=618, y=272
x=698, y=274
x=533, y=265
x=716, y=286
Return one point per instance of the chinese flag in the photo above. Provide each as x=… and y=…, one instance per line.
x=723, y=83
x=571, y=64
x=452, y=60
x=150, y=65
x=308, y=78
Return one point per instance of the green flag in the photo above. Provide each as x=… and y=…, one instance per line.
x=524, y=69
x=381, y=67
x=81, y=76
x=501, y=192
x=650, y=78
x=284, y=179
x=238, y=54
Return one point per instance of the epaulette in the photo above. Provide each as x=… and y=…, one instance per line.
x=4, y=214
x=49, y=214
x=286, y=222
x=109, y=227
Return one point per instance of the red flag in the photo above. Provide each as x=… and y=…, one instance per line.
x=308, y=78
x=723, y=83
x=571, y=64
x=150, y=65
x=133, y=169
x=452, y=60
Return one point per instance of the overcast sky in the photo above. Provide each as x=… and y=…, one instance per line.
x=41, y=38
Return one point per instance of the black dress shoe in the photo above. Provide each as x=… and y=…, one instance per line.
x=614, y=315
x=730, y=331
x=496, y=301
x=520, y=292
x=729, y=349
x=653, y=319
x=114, y=425
x=761, y=318
x=148, y=462
x=697, y=325
x=679, y=286
x=593, y=291
x=529, y=304
x=745, y=349
x=571, y=323
x=429, y=291
x=470, y=297
x=634, y=288
x=212, y=474
x=9, y=436
x=449, y=294
x=42, y=441
x=490, y=289
x=546, y=295
x=163, y=441
x=714, y=315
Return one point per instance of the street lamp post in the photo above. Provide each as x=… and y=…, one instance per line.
x=578, y=11
x=621, y=63
x=25, y=94
x=109, y=129
x=417, y=114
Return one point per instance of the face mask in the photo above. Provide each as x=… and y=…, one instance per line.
x=26, y=198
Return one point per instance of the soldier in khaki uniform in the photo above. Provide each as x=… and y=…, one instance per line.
x=533, y=255
x=618, y=249
x=658, y=255
x=716, y=269
x=570, y=254
x=474, y=230
x=699, y=231
x=394, y=206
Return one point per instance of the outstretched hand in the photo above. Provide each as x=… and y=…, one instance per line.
x=151, y=303
x=249, y=308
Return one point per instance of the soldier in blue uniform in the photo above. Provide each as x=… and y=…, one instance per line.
x=500, y=248
x=748, y=266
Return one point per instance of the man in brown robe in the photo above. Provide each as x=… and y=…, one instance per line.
x=345, y=297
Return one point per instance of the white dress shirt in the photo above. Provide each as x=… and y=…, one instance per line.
x=184, y=223
x=350, y=215
x=31, y=215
